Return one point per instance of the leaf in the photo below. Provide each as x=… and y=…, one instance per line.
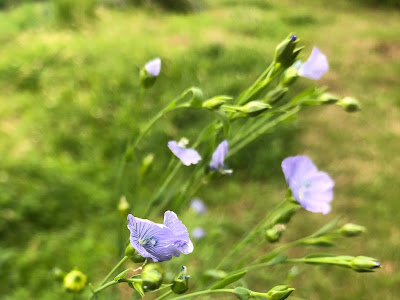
x=324, y=229
x=231, y=279
x=138, y=287
x=122, y=274
x=217, y=274
x=278, y=259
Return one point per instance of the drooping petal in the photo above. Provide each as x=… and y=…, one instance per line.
x=153, y=67
x=198, y=206
x=187, y=156
x=218, y=157
x=182, y=241
x=315, y=66
x=152, y=240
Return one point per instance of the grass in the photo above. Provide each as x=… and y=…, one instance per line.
x=64, y=88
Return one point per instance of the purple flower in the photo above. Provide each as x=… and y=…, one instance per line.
x=218, y=157
x=313, y=189
x=153, y=67
x=187, y=156
x=198, y=206
x=159, y=241
x=198, y=233
x=315, y=66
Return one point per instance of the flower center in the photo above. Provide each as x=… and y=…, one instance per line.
x=147, y=241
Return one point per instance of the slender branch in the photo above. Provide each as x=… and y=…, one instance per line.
x=165, y=295
x=114, y=269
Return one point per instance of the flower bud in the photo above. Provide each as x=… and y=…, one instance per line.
x=350, y=230
x=290, y=76
x=75, y=281
x=133, y=254
x=273, y=234
x=241, y=293
x=284, y=53
x=328, y=98
x=275, y=94
x=254, y=108
x=147, y=162
x=152, y=276
x=123, y=206
x=349, y=104
x=216, y=102
x=279, y=292
x=364, y=264
x=181, y=283
x=149, y=73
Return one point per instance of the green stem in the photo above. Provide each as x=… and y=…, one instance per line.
x=114, y=269
x=202, y=293
x=165, y=295
x=102, y=287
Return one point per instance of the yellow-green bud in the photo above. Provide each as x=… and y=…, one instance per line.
x=123, y=206
x=350, y=230
x=364, y=264
x=133, y=254
x=216, y=102
x=290, y=76
x=254, y=108
x=147, y=162
x=75, y=281
x=275, y=94
x=328, y=98
x=273, y=234
x=279, y=292
x=152, y=276
x=349, y=104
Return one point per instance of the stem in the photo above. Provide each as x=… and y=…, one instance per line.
x=114, y=269
x=165, y=295
x=202, y=293
x=102, y=287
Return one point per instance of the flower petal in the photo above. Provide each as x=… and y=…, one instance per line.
x=153, y=67
x=183, y=242
x=187, y=156
x=218, y=157
x=315, y=66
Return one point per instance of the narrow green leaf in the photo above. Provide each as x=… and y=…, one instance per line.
x=231, y=279
x=122, y=274
x=324, y=229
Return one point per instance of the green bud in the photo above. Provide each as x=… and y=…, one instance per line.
x=328, y=98
x=254, y=108
x=241, y=293
x=285, y=213
x=364, y=264
x=284, y=53
x=181, y=283
x=321, y=241
x=216, y=102
x=275, y=94
x=290, y=76
x=273, y=234
x=349, y=104
x=133, y=254
x=350, y=230
x=59, y=274
x=279, y=292
x=146, y=80
x=152, y=276
x=147, y=162
x=123, y=206
x=75, y=281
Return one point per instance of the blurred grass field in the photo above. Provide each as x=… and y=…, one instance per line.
x=68, y=94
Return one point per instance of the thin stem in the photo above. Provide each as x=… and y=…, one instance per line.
x=114, y=269
x=202, y=293
x=102, y=287
x=165, y=295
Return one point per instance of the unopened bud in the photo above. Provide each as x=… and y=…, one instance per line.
x=242, y=293
x=255, y=108
x=133, y=254
x=350, y=230
x=284, y=53
x=149, y=73
x=181, y=283
x=279, y=292
x=152, y=276
x=273, y=234
x=328, y=98
x=364, y=264
x=275, y=94
x=290, y=76
x=75, y=281
x=147, y=162
x=349, y=104
x=216, y=102
x=123, y=206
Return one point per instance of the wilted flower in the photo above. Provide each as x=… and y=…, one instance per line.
x=187, y=156
x=153, y=67
x=313, y=189
x=315, y=66
x=218, y=157
x=198, y=233
x=159, y=241
x=198, y=206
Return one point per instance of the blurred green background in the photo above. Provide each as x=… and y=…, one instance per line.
x=69, y=86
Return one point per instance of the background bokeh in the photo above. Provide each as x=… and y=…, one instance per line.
x=68, y=90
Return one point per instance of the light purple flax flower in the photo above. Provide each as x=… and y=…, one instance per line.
x=159, y=241
x=153, y=67
x=218, y=157
x=315, y=66
x=198, y=233
x=198, y=206
x=313, y=189
x=187, y=156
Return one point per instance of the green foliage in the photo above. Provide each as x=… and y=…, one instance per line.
x=73, y=12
